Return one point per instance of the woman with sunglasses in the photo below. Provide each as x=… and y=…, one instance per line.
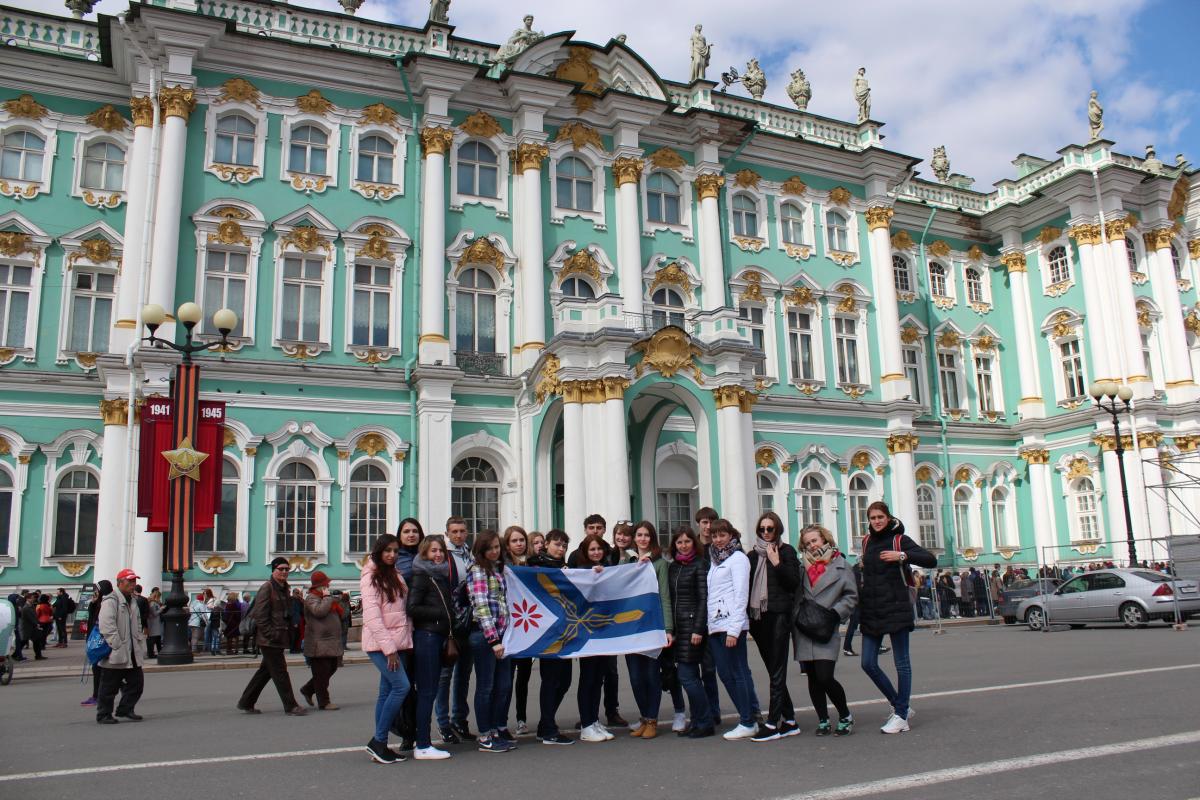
x=774, y=578
x=516, y=554
x=645, y=676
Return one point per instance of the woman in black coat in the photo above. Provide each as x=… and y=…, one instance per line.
x=430, y=608
x=774, y=578
x=687, y=578
x=886, y=606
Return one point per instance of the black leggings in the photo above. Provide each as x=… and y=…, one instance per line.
x=822, y=685
x=524, y=668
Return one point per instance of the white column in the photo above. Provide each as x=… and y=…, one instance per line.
x=1181, y=386
x=1044, y=537
x=136, y=203
x=147, y=559
x=111, y=533
x=1185, y=494
x=893, y=383
x=736, y=461
x=176, y=104
x=904, y=483
x=626, y=174
x=433, y=346
x=594, y=449
x=435, y=407
x=1100, y=338
x=1154, y=494
x=750, y=484
x=1031, y=404
x=1113, y=503
x=616, y=444
x=1115, y=266
x=712, y=267
x=528, y=158
x=574, y=487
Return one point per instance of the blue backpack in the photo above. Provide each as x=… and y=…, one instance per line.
x=96, y=648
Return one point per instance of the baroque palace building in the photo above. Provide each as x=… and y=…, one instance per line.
x=531, y=287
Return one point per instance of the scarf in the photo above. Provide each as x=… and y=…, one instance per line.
x=680, y=558
x=816, y=563
x=719, y=554
x=758, y=581
x=423, y=566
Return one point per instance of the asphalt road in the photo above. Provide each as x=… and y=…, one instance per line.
x=1001, y=712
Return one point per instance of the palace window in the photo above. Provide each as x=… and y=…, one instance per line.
x=900, y=274
x=475, y=312
x=962, y=517
x=91, y=311
x=573, y=184
x=376, y=156
x=663, y=199
x=477, y=170
x=667, y=308
x=845, y=337
x=1131, y=254
x=1177, y=261
x=21, y=156
x=309, y=150
x=927, y=519
x=1000, y=517
x=1085, y=510
x=791, y=218
x=475, y=494
x=77, y=502
x=812, y=501
x=235, y=142
x=372, y=313
x=1060, y=265
x=222, y=537
x=752, y=316
x=225, y=284
x=766, y=492
x=948, y=378
x=837, y=231
x=1070, y=362
x=296, y=509
x=858, y=499
x=674, y=510
x=800, y=345
x=16, y=290
x=974, y=286
x=6, y=506
x=745, y=216
x=914, y=372
x=937, y=280
x=1147, y=351
x=368, y=507
x=985, y=389
x=577, y=287
x=303, y=290
x=104, y=167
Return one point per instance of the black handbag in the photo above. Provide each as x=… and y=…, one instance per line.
x=815, y=621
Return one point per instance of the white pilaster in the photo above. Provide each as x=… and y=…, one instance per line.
x=1112, y=258
x=528, y=158
x=736, y=457
x=1181, y=386
x=594, y=448
x=112, y=537
x=1100, y=338
x=574, y=489
x=137, y=200
x=893, y=384
x=1113, y=503
x=435, y=405
x=904, y=483
x=616, y=444
x=176, y=103
x=1045, y=538
x=712, y=266
x=1157, y=512
x=433, y=346
x=626, y=173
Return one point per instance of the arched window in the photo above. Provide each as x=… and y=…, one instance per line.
x=477, y=170
x=77, y=502
x=475, y=312
x=475, y=494
x=309, y=150
x=812, y=501
x=662, y=199
x=791, y=218
x=837, y=231
x=1000, y=516
x=859, y=498
x=900, y=274
x=6, y=504
x=974, y=286
x=962, y=517
x=222, y=537
x=1060, y=265
x=666, y=308
x=937, y=280
x=1085, y=511
x=375, y=157
x=745, y=215
x=235, y=140
x=21, y=156
x=296, y=509
x=367, y=505
x=16, y=290
x=927, y=519
x=104, y=167
x=766, y=492
x=91, y=310
x=577, y=287
x=1131, y=254
x=573, y=184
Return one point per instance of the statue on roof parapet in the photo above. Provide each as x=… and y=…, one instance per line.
x=800, y=90
x=862, y=95
x=439, y=11
x=519, y=41
x=701, y=54
x=1095, y=117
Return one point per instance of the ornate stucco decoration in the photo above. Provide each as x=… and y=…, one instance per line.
x=436, y=141
x=985, y=343
x=1187, y=444
x=314, y=103
x=800, y=296
x=750, y=244
x=1144, y=319
x=746, y=179
x=481, y=124
x=1013, y=262
x=142, y=111
x=709, y=185
x=1179, y=199
x=378, y=114
x=578, y=68
x=1192, y=322
x=579, y=134
x=902, y=443
x=753, y=291
x=96, y=250
x=228, y=438
x=627, y=170
x=975, y=254
x=215, y=565
x=482, y=251
x=1079, y=468
x=672, y=274
x=1117, y=228
x=734, y=396
x=764, y=457
x=584, y=102
x=115, y=411
x=101, y=200
x=239, y=90
x=949, y=339
x=808, y=389
x=15, y=243
x=902, y=241
x=861, y=460
x=25, y=107
x=73, y=569
x=842, y=258
x=923, y=474
x=853, y=390
x=667, y=352
x=300, y=352
x=1090, y=233
x=800, y=252
x=581, y=262
x=962, y=475
x=229, y=231
x=1158, y=239
x=668, y=158
x=980, y=308
x=306, y=239
x=944, y=303
x=940, y=248
x=1193, y=247
x=304, y=183
x=839, y=195
x=548, y=382
x=371, y=443
x=529, y=155
x=1062, y=325
x=107, y=119
x=848, y=304
x=1034, y=455
x=794, y=186
x=909, y=334
x=376, y=247
x=371, y=355
x=1149, y=440
x=1048, y=234
x=176, y=101
x=879, y=217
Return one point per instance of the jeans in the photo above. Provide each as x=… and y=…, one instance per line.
x=708, y=675
x=734, y=670
x=689, y=678
x=129, y=681
x=591, y=680
x=427, y=661
x=493, y=681
x=773, y=639
x=556, y=680
x=926, y=606
x=646, y=681
x=459, y=677
x=212, y=636
x=393, y=688
x=898, y=697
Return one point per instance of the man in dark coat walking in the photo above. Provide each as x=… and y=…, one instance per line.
x=270, y=612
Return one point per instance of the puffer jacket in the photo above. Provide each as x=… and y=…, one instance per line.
x=121, y=626
x=322, y=627
x=428, y=608
x=884, y=603
x=782, y=580
x=386, y=627
x=270, y=614
x=688, y=584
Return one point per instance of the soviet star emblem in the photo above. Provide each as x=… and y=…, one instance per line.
x=185, y=461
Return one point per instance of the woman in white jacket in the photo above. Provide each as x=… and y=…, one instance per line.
x=728, y=593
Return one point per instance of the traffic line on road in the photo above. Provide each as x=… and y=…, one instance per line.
x=921, y=780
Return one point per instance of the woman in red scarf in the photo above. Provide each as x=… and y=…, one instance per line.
x=829, y=582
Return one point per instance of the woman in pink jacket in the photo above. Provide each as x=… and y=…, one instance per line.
x=386, y=633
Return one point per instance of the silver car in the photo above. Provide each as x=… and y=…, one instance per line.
x=1129, y=596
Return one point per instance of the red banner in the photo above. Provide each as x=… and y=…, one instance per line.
x=153, y=481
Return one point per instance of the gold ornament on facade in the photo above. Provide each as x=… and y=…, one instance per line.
x=548, y=382
x=991, y=416
x=229, y=231
x=842, y=258
x=668, y=351
x=176, y=101
x=228, y=172
x=753, y=291
x=1193, y=247
x=955, y=414
x=1035, y=456
x=108, y=119
x=1192, y=322
x=1143, y=317
x=728, y=396
x=239, y=90
x=529, y=155
x=482, y=251
x=940, y=248
x=1117, y=228
x=1049, y=234
x=808, y=389
x=376, y=247
x=980, y=308
x=97, y=251
x=614, y=387
x=142, y=111
x=436, y=141
x=746, y=179
x=1089, y=233
x=853, y=390
x=26, y=191
x=627, y=170
x=923, y=474
x=378, y=114
x=962, y=475
x=372, y=355
x=306, y=239
x=750, y=244
x=764, y=457
x=1149, y=440
x=1062, y=325
x=861, y=460
x=1177, y=205
x=1057, y=289
x=1013, y=262
x=25, y=107
x=371, y=443
x=985, y=343
x=909, y=334
x=709, y=184
x=581, y=262
x=481, y=124
x=800, y=296
x=74, y=569
x=308, y=183
x=668, y=158
x=313, y=102
x=879, y=217
x=584, y=102
x=399, y=455
x=944, y=303
x=848, y=304
x=302, y=563
x=794, y=186
x=251, y=451
x=578, y=68
x=672, y=275
x=902, y=241
x=300, y=352
x=800, y=252
x=975, y=254
x=86, y=360
x=839, y=195
x=1158, y=239
x=1079, y=468
x=578, y=135
x=229, y=438
x=902, y=443
x=1187, y=444
x=6, y=446
x=215, y=565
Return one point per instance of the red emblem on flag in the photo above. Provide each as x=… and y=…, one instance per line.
x=525, y=616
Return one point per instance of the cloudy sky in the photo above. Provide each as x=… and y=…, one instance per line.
x=988, y=80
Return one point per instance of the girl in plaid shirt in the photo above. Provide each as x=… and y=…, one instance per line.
x=487, y=585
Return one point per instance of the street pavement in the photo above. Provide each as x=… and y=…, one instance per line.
x=1002, y=712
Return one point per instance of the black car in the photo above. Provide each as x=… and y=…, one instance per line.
x=1012, y=595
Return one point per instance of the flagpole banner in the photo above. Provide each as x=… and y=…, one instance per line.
x=575, y=613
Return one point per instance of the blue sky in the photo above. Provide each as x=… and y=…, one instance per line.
x=987, y=80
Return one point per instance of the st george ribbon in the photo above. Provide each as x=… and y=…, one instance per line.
x=575, y=613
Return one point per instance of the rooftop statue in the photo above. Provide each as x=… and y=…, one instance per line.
x=1095, y=117
x=520, y=40
x=940, y=163
x=755, y=80
x=800, y=90
x=439, y=11
x=862, y=95
x=701, y=54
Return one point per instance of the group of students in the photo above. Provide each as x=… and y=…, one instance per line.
x=435, y=609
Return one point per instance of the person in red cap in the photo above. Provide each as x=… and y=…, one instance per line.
x=121, y=626
x=322, y=640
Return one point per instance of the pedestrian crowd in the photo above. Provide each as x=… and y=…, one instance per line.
x=39, y=620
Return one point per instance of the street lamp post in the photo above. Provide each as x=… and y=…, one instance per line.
x=185, y=392
x=1112, y=391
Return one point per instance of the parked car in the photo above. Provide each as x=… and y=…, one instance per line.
x=1129, y=596
x=1017, y=591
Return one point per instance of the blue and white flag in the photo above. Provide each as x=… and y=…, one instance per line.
x=574, y=613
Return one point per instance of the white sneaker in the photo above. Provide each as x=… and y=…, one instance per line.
x=429, y=754
x=895, y=724
x=522, y=728
x=680, y=722
x=593, y=733
x=740, y=732
x=604, y=730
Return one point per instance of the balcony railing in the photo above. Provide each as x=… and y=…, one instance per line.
x=474, y=363
x=649, y=323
